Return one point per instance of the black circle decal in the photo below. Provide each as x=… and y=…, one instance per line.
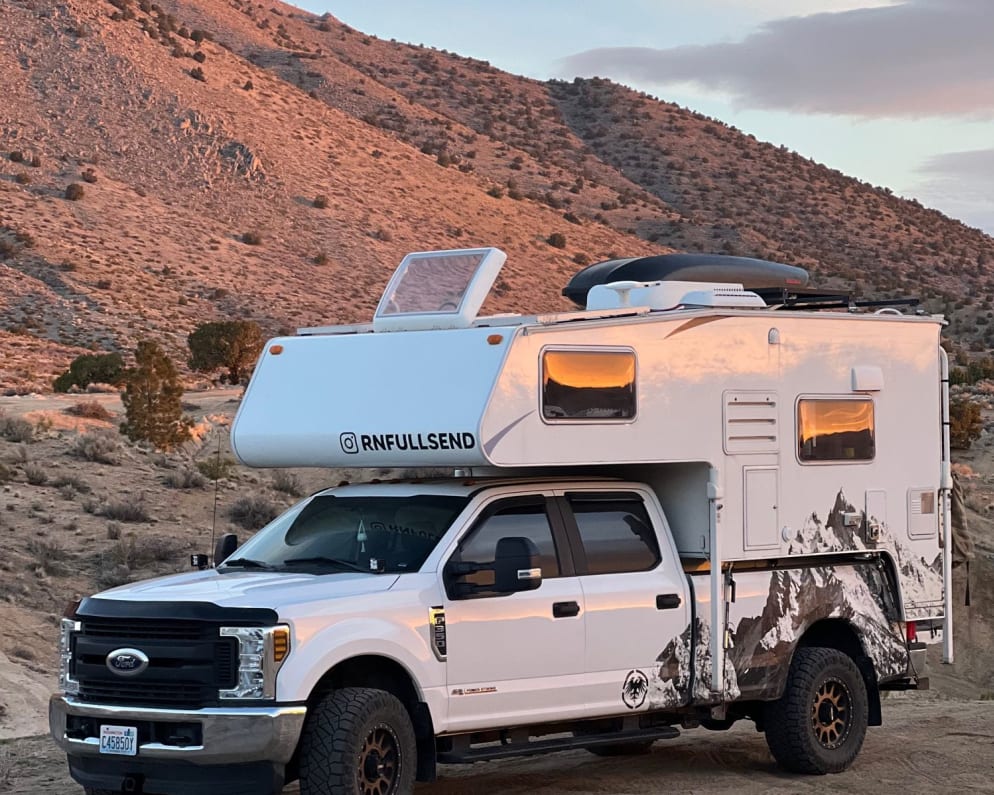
x=635, y=689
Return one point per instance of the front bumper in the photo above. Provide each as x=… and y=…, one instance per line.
x=227, y=735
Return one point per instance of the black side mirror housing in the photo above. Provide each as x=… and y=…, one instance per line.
x=516, y=565
x=225, y=545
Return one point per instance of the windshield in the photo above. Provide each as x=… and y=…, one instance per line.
x=368, y=534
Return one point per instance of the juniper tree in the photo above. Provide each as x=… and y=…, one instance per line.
x=152, y=400
x=231, y=344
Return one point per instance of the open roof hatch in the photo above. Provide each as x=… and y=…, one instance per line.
x=438, y=289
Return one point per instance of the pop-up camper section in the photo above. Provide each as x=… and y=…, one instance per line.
x=765, y=424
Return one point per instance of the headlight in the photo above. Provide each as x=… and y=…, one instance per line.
x=261, y=652
x=67, y=629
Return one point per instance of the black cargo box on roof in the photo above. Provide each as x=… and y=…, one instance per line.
x=750, y=273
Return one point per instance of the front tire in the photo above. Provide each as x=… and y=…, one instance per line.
x=819, y=724
x=358, y=741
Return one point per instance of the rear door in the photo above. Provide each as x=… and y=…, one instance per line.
x=638, y=639
x=514, y=658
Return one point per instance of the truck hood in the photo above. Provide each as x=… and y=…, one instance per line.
x=251, y=588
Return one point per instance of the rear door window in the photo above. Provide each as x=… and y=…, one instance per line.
x=615, y=532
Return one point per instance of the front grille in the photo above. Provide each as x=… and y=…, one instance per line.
x=188, y=662
x=149, y=629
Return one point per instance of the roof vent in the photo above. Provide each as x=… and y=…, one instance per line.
x=670, y=295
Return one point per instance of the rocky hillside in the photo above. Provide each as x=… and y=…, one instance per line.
x=162, y=164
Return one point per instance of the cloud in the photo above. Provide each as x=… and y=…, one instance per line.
x=960, y=183
x=917, y=59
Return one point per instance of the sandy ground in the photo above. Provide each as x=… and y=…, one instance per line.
x=925, y=745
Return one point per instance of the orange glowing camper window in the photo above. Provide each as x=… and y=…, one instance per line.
x=588, y=385
x=835, y=430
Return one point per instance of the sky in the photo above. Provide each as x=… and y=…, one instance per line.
x=899, y=93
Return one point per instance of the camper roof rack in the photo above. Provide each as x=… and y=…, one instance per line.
x=782, y=298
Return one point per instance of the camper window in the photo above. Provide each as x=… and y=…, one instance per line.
x=616, y=533
x=835, y=429
x=588, y=384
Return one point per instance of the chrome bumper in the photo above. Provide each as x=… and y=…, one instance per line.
x=230, y=735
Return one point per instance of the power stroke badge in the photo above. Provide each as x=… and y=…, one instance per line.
x=635, y=689
x=353, y=443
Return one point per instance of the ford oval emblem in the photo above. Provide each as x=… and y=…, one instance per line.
x=127, y=662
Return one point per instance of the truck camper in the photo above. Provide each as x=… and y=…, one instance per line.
x=709, y=494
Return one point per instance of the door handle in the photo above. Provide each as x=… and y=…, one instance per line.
x=565, y=609
x=668, y=601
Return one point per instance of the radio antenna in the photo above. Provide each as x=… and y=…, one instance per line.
x=217, y=475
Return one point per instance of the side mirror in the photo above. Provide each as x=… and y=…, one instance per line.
x=516, y=565
x=225, y=545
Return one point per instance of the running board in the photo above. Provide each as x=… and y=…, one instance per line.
x=519, y=745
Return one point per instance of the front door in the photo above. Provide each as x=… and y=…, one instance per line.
x=514, y=658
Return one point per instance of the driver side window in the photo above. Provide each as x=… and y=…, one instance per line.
x=524, y=520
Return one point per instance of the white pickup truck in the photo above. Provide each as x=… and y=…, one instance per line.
x=659, y=518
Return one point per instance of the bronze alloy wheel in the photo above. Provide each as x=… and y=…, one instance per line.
x=831, y=713
x=379, y=761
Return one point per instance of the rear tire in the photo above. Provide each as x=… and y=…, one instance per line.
x=358, y=741
x=819, y=724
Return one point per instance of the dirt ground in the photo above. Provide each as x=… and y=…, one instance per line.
x=926, y=745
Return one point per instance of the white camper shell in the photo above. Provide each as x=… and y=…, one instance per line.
x=765, y=433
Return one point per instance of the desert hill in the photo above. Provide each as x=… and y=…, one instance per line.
x=202, y=133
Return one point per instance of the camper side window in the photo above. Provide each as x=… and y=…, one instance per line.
x=835, y=429
x=616, y=533
x=588, y=384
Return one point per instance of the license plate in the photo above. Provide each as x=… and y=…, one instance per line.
x=120, y=740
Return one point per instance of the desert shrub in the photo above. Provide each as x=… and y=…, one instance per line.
x=35, y=161
x=965, y=424
x=89, y=409
x=17, y=429
x=101, y=446
x=127, y=509
x=49, y=555
x=152, y=400
x=91, y=368
x=216, y=468
x=253, y=512
x=134, y=553
x=71, y=482
x=496, y=191
x=556, y=240
x=22, y=179
x=36, y=474
x=320, y=259
x=113, y=530
x=287, y=483
x=16, y=156
x=230, y=344
x=249, y=85
x=320, y=201
x=89, y=175
x=74, y=192
x=198, y=35
x=199, y=56
x=185, y=478
x=6, y=474
x=581, y=259
x=104, y=284
x=252, y=238
x=198, y=74
x=110, y=576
